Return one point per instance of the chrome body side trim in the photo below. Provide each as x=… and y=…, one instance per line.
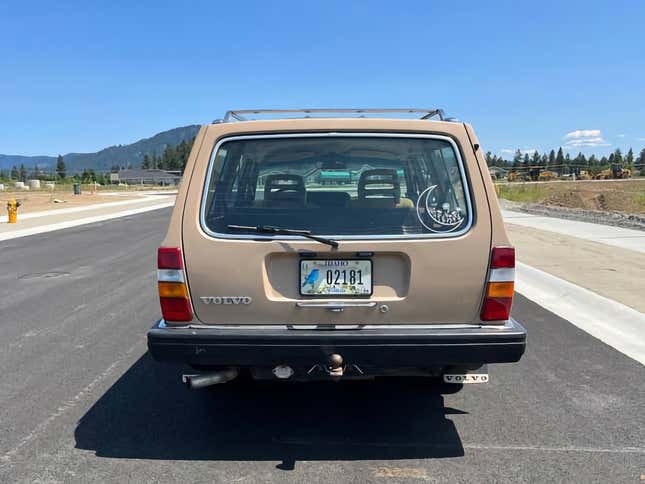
x=506, y=325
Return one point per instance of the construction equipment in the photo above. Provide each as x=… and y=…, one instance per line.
x=584, y=175
x=515, y=176
x=616, y=172
x=547, y=175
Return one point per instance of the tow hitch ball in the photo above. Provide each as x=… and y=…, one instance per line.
x=335, y=366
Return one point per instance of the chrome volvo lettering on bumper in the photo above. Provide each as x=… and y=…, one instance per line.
x=226, y=299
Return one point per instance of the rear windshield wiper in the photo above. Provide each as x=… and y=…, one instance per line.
x=268, y=229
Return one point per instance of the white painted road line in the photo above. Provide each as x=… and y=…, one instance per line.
x=84, y=208
x=615, y=324
x=604, y=234
x=82, y=221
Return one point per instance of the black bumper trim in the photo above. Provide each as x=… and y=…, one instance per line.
x=388, y=347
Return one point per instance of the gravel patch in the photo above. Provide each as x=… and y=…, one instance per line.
x=616, y=219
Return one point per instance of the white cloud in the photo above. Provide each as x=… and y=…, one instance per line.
x=524, y=151
x=621, y=135
x=585, y=138
x=582, y=133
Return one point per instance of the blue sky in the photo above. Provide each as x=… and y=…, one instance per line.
x=80, y=76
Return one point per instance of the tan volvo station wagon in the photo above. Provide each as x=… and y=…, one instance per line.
x=336, y=244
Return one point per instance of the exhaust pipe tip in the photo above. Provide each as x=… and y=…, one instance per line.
x=212, y=378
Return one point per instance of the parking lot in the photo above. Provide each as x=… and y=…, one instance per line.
x=80, y=398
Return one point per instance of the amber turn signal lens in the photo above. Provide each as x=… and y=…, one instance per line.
x=172, y=289
x=500, y=289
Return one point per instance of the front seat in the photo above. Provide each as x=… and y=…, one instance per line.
x=284, y=190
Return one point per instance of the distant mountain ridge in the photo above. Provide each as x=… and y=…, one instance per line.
x=103, y=160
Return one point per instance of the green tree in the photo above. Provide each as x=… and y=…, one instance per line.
x=61, y=170
x=551, y=159
x=535, y=158
x=517, y=158
x=14, y=173
x=618, y=156
x=559, y=160
x=147, y=163
x=22, y=173
x=629, y=158
x=489, y=158
x=641, y=160
x=88, y=176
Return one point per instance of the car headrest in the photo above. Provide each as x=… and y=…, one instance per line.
x=381, y=182
x=284, y=187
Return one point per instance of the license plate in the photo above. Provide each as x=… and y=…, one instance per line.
x=335, y=277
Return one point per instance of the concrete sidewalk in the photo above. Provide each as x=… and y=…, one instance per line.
x=605, y=234
x=609, y=261
x=50, y=220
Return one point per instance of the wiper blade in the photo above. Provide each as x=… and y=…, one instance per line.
x=268, y=229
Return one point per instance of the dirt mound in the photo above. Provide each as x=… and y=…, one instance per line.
x=608, y=200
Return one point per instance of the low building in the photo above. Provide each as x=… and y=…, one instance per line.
x=145, y=177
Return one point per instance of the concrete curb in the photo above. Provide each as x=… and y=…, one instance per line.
x=615, y=324
x=82, y=221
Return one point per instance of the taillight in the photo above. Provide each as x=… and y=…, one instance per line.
x=501, y=285
x=173, y=293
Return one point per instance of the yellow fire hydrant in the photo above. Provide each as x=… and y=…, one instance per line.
x=12, y=208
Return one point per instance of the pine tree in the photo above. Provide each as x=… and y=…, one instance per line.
x=641, y=160
x=551, y=158
x=618, y=156
x=22, y=173
x=489, y=159
x=61, y=170
x=559, y=160
x=629, y=158
x=146, y=162
x=535, y=159
x=14, y=173
x=517, y=158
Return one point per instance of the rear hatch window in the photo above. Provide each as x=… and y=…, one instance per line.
x=348, y=186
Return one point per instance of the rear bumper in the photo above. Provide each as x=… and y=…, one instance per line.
x=392, y=347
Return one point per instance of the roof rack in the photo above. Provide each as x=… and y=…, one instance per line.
x=240, y=114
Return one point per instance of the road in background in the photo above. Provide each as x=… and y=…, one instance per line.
x=81, y=400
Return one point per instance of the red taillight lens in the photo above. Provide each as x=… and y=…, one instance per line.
x=169, y=258
x=176, y=309
x=498, y=298
x=173, y=293
x=503, y=257
x=496, y=308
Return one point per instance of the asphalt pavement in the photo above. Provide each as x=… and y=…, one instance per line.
x=81, y=400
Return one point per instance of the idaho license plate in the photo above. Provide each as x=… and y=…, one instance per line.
x=335, y=277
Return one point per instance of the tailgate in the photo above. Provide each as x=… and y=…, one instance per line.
x=409, y=212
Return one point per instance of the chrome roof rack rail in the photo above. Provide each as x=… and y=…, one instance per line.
x=240, y=114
